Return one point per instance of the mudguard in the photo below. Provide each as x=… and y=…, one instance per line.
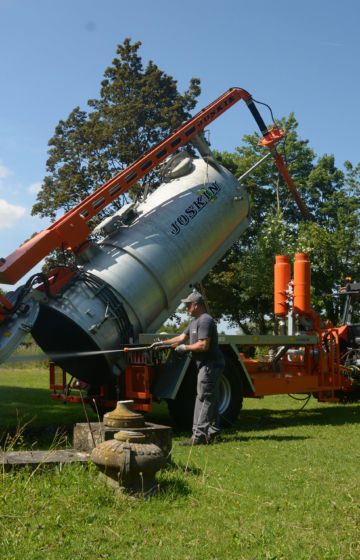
x=168, y=384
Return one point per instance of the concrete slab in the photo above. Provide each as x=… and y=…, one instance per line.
x=36, y=458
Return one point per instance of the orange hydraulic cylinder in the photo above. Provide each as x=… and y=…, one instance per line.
x=281, y=284
x=302, y=282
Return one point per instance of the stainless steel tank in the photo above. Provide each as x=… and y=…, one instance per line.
x=134, y=277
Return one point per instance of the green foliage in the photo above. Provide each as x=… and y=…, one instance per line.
x=137, y=107
x=177, y=323
x=241, y=285
x=177, y=327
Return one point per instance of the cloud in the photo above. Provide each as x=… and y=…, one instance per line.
x=34, y=188
x=4, y=171
x=10, y=214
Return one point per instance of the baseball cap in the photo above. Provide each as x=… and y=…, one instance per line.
x=194, y=297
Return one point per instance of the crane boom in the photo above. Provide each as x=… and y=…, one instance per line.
x=71, y=230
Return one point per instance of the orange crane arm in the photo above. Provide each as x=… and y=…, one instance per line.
x=72, y=230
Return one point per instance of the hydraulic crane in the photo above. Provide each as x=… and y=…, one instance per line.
x=131, y=278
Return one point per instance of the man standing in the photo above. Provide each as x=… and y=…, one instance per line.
x=203, y=344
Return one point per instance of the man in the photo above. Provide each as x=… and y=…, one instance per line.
x=203, y=344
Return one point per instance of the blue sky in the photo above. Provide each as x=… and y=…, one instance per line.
x=301, y=56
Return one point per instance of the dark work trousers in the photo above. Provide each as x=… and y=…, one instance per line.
x=206, y=421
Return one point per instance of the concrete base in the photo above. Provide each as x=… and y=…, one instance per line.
x=87, y=436
x=34, y=459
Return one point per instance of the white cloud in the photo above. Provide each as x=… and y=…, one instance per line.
x=10, y=214
x=34, y=188
x=4, y=171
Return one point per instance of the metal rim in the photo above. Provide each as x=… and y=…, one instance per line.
x=224, y=394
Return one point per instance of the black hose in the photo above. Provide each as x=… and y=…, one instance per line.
x=25, y=290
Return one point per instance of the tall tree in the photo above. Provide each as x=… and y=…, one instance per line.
x=137, y=107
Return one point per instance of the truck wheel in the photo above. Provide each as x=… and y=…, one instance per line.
x=181, y=408
x=230, y=396
x=230, y=393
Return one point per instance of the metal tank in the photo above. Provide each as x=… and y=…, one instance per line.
x=133, y=278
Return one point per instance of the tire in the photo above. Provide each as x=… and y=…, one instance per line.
x=181, y=409
x=230, y=393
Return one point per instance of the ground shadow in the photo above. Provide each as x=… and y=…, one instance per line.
x=171, y=466
x=229, y=438
x=43, y=416
x=266, y=419
x=174, y=488
x=270, y=419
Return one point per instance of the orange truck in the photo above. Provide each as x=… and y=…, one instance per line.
x=305, y=358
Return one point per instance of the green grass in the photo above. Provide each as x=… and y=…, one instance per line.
x=284, y=485
x=25, y=399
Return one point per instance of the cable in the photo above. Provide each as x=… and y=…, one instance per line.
x=284, y=138
x=24, y=290
x=265, y=105
x=306, y=399
x=298, y=398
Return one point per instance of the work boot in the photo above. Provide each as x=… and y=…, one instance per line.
x=215, y=438
x=193, y=441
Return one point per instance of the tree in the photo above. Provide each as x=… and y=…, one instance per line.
x=241, y=285
x=137, y=107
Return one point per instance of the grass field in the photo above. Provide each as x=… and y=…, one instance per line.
x=284, y=485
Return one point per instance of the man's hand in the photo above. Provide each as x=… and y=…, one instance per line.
x=181, y=349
